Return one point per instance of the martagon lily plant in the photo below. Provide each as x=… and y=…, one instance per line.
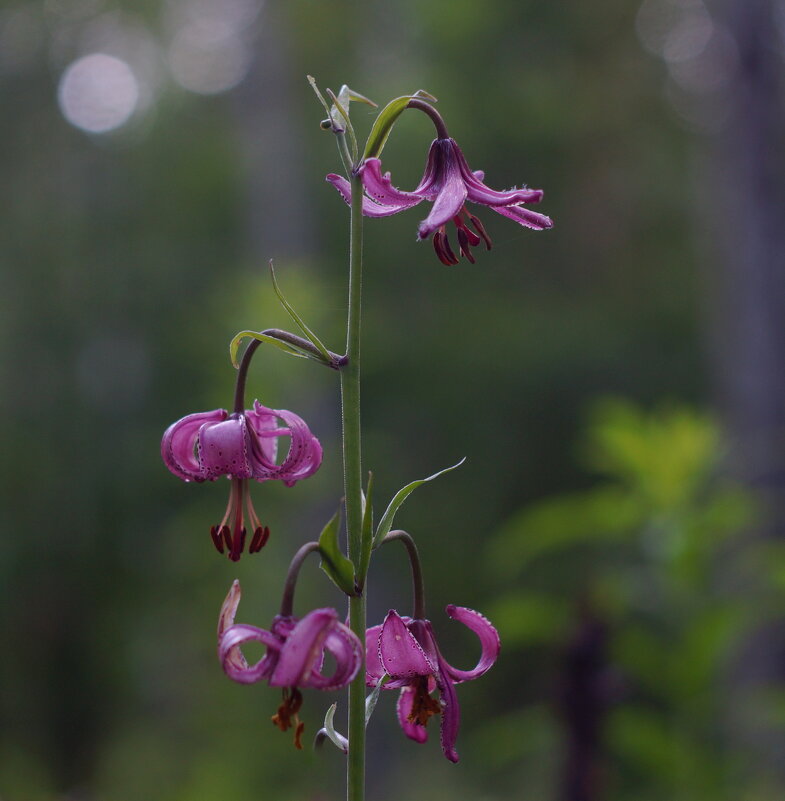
x=401, y=652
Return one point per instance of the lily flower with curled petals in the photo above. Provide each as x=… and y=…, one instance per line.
x=242, y=446
x=448, y=183
x=406, y=650
x=294, y=657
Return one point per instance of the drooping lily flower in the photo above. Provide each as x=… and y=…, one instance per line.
x=406, y=650
x=242, y=446
x=448, y=183
x=294, y=658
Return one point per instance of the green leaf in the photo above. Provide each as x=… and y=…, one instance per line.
x=312, y=81
x=337, y=566
x=372, y=698
x=292, y=350
x=312, y=338
x=385, y=121
x=395, y=504
x=367, y=532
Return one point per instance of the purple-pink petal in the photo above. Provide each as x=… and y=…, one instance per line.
x=302, y=650
x=346, y=649
x=223, y=448
x=370, y=209
x=374, y=670
x=303, y=457
x=489, y=642
x=451, y=193
x=531, y=219
x=380, y=189
x=233, y=661
x=451, y=714
x=412, y=729
x=179, y=441
x=401, y=655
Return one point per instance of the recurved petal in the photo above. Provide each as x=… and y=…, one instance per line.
x=262, y=425
x=302, y=651
x=346, y=649
x=531, y=219
x=303, y=457
x=489, y=642
x=451, y=715
x=370, y=209
x=223, y=448
x=380, y=189
x=401, y=655
x=179, y=441
x=231, y=656
x=478, y=192
x=413, y=730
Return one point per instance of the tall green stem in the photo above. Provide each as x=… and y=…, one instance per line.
x=352, y=472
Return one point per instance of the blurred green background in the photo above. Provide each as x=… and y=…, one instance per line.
x=615, y=383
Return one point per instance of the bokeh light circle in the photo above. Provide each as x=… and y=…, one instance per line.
x=98, y=93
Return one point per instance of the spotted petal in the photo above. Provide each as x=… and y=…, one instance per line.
x=223, y=448
x=179, y=441
x=401, y=655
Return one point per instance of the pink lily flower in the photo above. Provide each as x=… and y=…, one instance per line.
x=406, y=650
x=448, y=183
x=294, y=657
x=207, y=445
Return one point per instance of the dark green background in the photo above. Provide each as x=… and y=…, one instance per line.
x=130, y=259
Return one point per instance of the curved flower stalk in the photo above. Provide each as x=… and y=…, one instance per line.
x=242, y=446
x=448, y=182
x=406, y=650
x=294, y=658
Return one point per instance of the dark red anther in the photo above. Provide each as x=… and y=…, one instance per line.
x=215, y=534
x=463, y=241
x=237, y=545
x=259, y=540
x=480, y=230
x=443, y=250
x=227, y=535
x=474, y=240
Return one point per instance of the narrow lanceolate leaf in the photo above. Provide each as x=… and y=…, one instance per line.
x=337, y=566
x=341, y=743
x=386, y=119
x=385, y=524
x=312, y=81
x=292, y=350
x=373, y=697
x=315, y=341
x=367, y=532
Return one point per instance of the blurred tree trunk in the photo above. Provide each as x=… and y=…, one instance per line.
x=747, y=230
x=272, y=144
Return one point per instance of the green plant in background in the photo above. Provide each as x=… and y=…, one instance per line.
x=621, y=585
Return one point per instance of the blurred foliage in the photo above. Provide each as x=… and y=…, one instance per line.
x=643, y=553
